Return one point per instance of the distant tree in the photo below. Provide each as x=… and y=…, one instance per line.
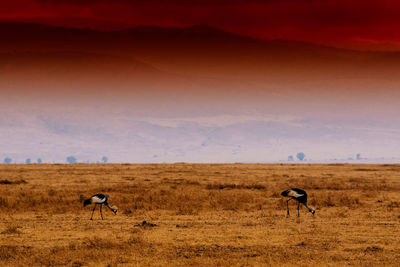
x=104, y=159
x=358, y=156
x=290, y=158
x=71, y=159
x=28, y=161
x=301, y=156
x=7, y=160
x=39, y=160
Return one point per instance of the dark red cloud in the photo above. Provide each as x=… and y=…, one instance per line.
x=337, y=22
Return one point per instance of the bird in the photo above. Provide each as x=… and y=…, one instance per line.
x=299, y=195
x=99, y=199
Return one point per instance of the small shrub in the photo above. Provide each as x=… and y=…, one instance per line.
x=5, y=181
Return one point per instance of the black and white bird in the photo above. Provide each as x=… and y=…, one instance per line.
x=99, y=199
x=299, y=195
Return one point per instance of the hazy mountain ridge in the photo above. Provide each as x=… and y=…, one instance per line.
x=142, y=141
x=33, y=37
x=200, y=50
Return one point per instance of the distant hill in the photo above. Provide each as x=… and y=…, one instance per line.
x=198, y=58
x=201, y=39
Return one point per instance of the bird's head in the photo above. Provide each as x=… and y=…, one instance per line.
x=115, y=209
x=313, y=212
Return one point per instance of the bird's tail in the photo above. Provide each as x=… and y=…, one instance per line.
x=87, y=202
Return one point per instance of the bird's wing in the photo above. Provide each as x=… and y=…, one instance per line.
x=97, y=199
x=294, y=194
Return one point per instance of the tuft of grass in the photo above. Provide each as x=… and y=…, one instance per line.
x=219, y=186
x=337, y=199
x=4, y=202
x=11, y=229
x=366, y=170
x=7, y=252
x=373, y=249
x=6, y=181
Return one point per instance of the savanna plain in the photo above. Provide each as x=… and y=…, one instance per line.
x=199, y=215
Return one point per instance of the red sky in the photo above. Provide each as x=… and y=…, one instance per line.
x=351, y=23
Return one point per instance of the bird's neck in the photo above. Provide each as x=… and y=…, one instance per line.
x=113, y=210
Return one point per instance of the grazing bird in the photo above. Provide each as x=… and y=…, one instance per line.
x=99, y=199
x=299, y=195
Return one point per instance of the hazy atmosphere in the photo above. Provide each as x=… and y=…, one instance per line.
x=197, y=89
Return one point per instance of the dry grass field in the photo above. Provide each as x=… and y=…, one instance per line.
x=204, y=215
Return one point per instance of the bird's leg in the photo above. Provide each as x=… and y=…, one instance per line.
x=91, y=217
x=287, y=206
x=298, y=209
x=101, y=213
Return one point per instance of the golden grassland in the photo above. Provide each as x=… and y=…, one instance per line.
x=205, y=215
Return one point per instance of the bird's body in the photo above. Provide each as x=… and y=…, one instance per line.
x=99, y=199
x=300, y=196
